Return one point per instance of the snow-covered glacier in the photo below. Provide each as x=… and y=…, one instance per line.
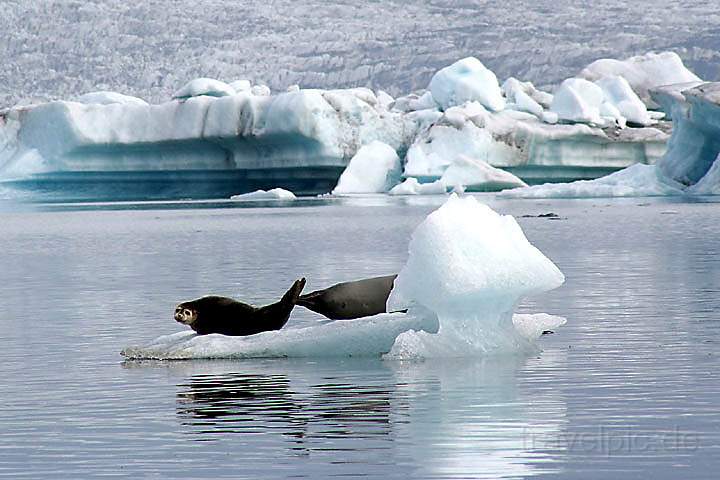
x=468, y=268
x=467, y=131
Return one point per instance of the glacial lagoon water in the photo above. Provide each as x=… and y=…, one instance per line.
x=629, y=388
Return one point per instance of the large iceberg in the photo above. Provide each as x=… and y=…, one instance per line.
x=467, y=269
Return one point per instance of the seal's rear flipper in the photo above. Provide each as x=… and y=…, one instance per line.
x=292, y=295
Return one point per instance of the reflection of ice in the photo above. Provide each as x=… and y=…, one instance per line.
x=473, y=420
x=477, y=419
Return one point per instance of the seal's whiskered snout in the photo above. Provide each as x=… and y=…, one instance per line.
x=184, y=315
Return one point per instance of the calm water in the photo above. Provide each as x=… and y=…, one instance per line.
x=629, y=388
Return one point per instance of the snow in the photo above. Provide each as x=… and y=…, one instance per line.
x=634, y=181
x=204, y=86
x=643, y=72
x=477, y=176
x=466, y=80
x=411, y=186
x=375, y=168
x=469, y=266
x=107, y=98
x=273, y=194
x=467, y=269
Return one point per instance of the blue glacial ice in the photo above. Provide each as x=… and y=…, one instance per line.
x=468, y=267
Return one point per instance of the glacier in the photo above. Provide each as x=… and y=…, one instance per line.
x=467, y=269
x=466, y=130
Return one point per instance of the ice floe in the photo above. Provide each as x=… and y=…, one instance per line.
x=467, y=269
x=272, y=194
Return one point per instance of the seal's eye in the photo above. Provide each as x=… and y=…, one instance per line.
x=187, y=312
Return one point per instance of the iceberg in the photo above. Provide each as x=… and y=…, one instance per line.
x=375, y=168
x=634, y=181
x=469, y=266
x=273, y=194
x=477, y=176
x=528, y=147
x=642, y=72
x=467, y=269
x=411, y=186
x=689, y=167
x=467, y=80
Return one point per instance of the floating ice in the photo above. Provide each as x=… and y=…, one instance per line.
x=477, y=176
x=107, y=98
x=467, y=269
x=466, y=80
x=204, y=86
x=635, y=181
x=412, y=187
x=260, y=90
x=512, y=86
x=643, y=72
x=375, y=168
x=273, y=194
x=470, y=267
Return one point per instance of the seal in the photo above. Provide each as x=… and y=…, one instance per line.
x=349, y=300
x=213, y=314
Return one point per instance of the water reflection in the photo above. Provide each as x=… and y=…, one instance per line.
x=445, y=418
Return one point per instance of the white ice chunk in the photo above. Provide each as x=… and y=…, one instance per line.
x=578, y=100
x=260, y=90
x=618, y=92
x=643, y=72
x=425, y=102
x=470, y=267
x=204, y=86
x=107, y=98
x=293, y=88
x=241, y=85
x=478, y=176
x=273, y=194
x=375, y=168
x=412, y=187
x=384, y=99
x=635, y=181
x=464, y=81
x=512, y=86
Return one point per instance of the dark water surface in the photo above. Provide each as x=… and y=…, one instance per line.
x=629, y=388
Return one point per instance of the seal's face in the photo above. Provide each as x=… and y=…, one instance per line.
x=185, y=314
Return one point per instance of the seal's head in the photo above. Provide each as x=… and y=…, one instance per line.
x=186, y=314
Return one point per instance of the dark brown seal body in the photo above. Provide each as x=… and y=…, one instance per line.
x=224, y=315
x=350, y=300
